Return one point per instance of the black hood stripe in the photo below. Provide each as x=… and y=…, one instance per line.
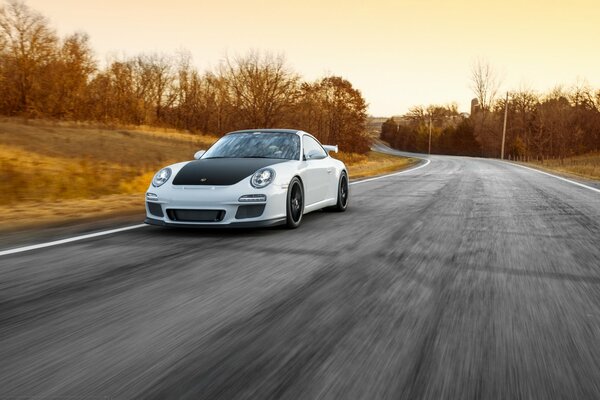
x=221, y=171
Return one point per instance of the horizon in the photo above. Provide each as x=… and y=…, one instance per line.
x=548, y=44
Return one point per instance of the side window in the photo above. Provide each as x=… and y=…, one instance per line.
x=312, y=149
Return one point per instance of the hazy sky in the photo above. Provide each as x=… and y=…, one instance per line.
x=398, y=53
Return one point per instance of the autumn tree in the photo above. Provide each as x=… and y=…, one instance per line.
x=263, y=88
x=522, y=121
x=28, y=46
x=558, y=124
x=335, y=112
x=461, y=139
x=189, y=109
x=389, y=133
x=69, y=77
x=153, y=80
x=437, y=117
x=42, y=75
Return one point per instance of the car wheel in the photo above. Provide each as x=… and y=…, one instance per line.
x=343, y=193
x=295, y=204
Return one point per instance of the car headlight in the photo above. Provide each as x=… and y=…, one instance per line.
x=262, y=177
x=161, y=177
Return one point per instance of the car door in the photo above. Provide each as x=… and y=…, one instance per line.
x=317, y=173
x=331, y=190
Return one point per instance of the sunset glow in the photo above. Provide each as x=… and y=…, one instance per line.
x=398, y=53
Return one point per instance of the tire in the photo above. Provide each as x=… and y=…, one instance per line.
x=294, y=204
x=343, y=193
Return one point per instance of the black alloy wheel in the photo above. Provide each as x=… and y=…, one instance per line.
x=295, y=203
x=343, y=193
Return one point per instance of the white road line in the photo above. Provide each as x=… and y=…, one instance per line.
x=69, y=240
x=128, y=228
x=394, y=174
x=558, y=177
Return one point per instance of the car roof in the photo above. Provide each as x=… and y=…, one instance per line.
x=291, y=131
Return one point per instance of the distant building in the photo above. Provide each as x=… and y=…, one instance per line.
x=475, y=106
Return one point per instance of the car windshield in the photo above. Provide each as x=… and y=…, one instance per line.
x=256, y=145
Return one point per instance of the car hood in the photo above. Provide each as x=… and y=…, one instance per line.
x=221, y=171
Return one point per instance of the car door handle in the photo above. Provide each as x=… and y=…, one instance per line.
x=330, y=170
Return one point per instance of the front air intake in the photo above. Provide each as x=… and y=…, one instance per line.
x=196, y=215
x=250, y=211
x=155, y=209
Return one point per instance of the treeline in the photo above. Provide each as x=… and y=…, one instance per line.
x=558, y=124
x=451, y=132
x=45, y=76
x=561, y=123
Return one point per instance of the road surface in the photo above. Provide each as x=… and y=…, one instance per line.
x=464, y=279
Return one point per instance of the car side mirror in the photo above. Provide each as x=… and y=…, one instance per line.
x=313, y=154
x=329, y=148
x=199, y=154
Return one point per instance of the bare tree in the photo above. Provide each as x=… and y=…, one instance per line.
x=154, y=85
x=484, y=83
x=262, y=87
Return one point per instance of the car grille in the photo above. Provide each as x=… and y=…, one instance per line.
x=196, y=215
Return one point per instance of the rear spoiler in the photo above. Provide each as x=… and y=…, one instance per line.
x=329, y=148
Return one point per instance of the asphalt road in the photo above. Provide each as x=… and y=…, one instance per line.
x=464, y=279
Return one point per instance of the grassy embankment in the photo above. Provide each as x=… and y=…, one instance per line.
x=585, y=166
x=51, y=173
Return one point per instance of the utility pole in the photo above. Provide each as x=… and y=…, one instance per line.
x=504, y=127
x=430, y=133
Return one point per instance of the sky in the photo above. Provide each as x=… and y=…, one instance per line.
x=397, y=53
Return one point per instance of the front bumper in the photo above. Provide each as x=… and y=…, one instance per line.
x=162, y=208
x=251, y=224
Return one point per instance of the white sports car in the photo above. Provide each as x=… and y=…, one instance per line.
x=259, y=177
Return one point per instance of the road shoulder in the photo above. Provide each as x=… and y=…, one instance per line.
x=561, y=174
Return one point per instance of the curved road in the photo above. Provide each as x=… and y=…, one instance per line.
x=464, y=279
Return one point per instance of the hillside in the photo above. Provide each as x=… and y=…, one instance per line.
x=59, y=172
x=56, y=172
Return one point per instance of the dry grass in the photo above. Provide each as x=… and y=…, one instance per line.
x=351, y=158
x=27, y=177
x=360, y=166
x=53, y=172
x=142, y=149
x=585, y=166
x=34, y=215
x=41, y=163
